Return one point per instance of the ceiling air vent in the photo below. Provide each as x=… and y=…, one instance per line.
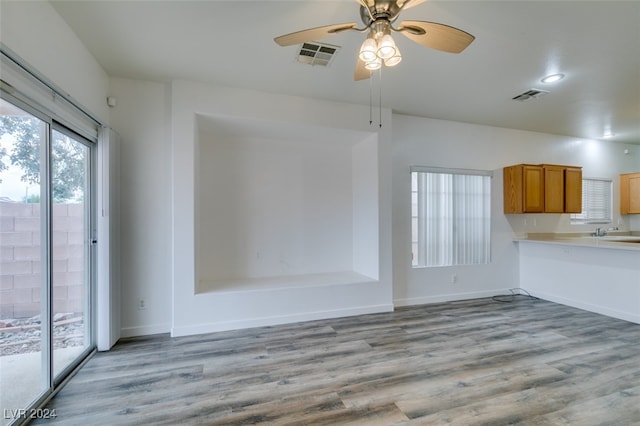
x=530, y=95
x=313, y=53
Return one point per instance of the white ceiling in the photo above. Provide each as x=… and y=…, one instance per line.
x=595, y=43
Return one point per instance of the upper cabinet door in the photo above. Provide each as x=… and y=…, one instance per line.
x=630, y=193
x=553, y=189
x=523, y=189
x=512, y=189
x=533, y=185
x=573, y=190
x=634, y=193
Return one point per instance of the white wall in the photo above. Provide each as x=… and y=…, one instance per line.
x=366, y=235
x=429, y=142
x=271, y=205
x=141, y=117
x=35, y=31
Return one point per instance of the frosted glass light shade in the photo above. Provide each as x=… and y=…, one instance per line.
x=368, y=50
x=394, y=60
x=376, y=64
x=386, y=47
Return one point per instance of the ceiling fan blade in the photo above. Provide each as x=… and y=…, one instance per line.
x=407, y=4
x=436, y=36
x=361, y=73
x=313, y=34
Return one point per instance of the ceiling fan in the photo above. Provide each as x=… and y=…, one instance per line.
x=379, y=48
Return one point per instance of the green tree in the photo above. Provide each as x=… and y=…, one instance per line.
x=68, y=157
x=3, y=153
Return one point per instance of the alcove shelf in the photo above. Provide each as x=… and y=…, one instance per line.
x=283, y=282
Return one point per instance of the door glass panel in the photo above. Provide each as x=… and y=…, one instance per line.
x=24, y=374
x=70, y=239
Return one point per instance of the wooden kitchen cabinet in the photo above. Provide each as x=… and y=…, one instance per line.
x=573, y=189
x=545, y=188
x=523, y=189
x=630, y=193
x=553, y=188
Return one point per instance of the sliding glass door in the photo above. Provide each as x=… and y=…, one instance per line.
x=46, y=266
x=24, y=339
x=70, y=248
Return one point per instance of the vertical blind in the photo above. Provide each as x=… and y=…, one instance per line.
x=596, y=202
x=451, y=218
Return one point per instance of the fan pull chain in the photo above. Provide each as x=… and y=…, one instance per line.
x=370, y=99
x=380, y=98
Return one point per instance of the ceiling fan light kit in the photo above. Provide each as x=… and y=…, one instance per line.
x=379, y=48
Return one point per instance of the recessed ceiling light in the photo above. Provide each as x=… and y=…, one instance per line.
x=552, y=78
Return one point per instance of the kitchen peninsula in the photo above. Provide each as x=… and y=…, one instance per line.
x=593, y=273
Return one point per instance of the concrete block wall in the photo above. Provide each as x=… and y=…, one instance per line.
x=20, y=259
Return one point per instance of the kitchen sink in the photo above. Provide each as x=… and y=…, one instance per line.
x=621, y=238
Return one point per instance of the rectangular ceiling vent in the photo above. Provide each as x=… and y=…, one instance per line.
x=313, y=53
x=530, y=95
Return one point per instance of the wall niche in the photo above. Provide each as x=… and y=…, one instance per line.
x=283, y=204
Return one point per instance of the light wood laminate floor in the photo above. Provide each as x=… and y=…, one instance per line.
x=465, y=363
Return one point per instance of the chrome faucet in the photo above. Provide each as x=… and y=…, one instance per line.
x=601, y=232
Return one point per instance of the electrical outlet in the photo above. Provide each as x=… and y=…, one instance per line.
x=454, y=278
x=142, y=304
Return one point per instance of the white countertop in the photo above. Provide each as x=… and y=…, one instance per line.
x=583, y=241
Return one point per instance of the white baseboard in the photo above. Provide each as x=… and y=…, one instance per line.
x=144, y=330
x=452, y=297
x=310, y=316
x=603, y=310
x=276, y=320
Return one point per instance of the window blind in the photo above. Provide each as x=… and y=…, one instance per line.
x=451, y=218
x=596, y=202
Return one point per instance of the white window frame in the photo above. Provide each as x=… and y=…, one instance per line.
x=597, y=202
x=445, y=241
